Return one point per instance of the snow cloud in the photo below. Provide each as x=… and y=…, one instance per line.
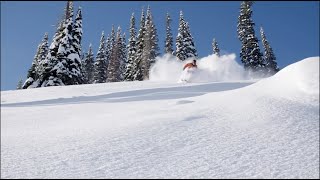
x=211, y=68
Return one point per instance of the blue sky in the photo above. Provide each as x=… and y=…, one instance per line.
x=292, y=28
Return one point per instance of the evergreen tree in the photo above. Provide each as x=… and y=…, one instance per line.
x=62, y=65
x=35, y=70
x=137, y=73
x=31, y=76
x=250, y=53
x=154, y=39
x=149, y=51
x=88, y=66
x=68, y=13
x=48, y=64
x=110, y=46
x=185, y=47
x=215, y=47
x=44, y=49
x=100, y=75
x=77, y=33
x=108, y=50
x=112, y=38
x=169, y=39
x=190, y=47
x=51, y=59
x=269, y=57
x=123, y=57
x=60, y=70
x=68, y=69
x=129, y=72
x=76, y=50
x=68, y=10
x=180, y=46
x=114, y=64
x=146, y=52
x=19, y=86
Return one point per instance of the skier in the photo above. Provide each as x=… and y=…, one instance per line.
x=188, y=70
x=191, y=65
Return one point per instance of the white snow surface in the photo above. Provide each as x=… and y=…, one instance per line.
x=161, y=129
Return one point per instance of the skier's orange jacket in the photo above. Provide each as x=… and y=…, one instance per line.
x=189, y=65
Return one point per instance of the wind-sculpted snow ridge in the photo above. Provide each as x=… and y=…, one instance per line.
x=298, y=81
x=300, y=76
x=239, y=129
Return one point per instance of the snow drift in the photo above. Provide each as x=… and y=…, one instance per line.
x=240, y=129
x=300, y=76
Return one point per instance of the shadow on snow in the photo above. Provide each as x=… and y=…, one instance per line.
x=139, y=95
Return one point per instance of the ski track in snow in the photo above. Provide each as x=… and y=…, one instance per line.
x=210, y=130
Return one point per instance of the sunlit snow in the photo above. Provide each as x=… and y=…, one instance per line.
x=223, y=126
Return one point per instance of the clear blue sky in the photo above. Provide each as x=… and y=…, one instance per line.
x=292, y=28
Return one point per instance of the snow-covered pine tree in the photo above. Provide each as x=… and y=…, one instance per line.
x=51, y=59
x=185, y=47
x=131, y=49
x=169, y=40
x=112, y=38
x=110, y=48
x=137, y=73
x=180, y=44
x=61, y=70
x=59, y=67
x=269, y=57
x=68, y=10
x=75, y=66
x=250, y=53
x=35, y=70
x=100, y=75
x=19, y=85
x=154, y=40
x=68, y=69
x=32, y=73
x=123, y=57
x=88, y=66
x=44, y=49
x=114, y=64
x=145, y=57
x=77, y=33
x=84, y=72
x=190, y=47
x=149, y=51
x=108, y=51
x=215, y=47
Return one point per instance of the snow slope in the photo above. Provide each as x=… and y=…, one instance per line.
x=267, y=129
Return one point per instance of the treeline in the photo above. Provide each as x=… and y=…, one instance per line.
x=64, y=63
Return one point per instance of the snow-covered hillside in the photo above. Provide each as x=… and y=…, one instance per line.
x=239, y=129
